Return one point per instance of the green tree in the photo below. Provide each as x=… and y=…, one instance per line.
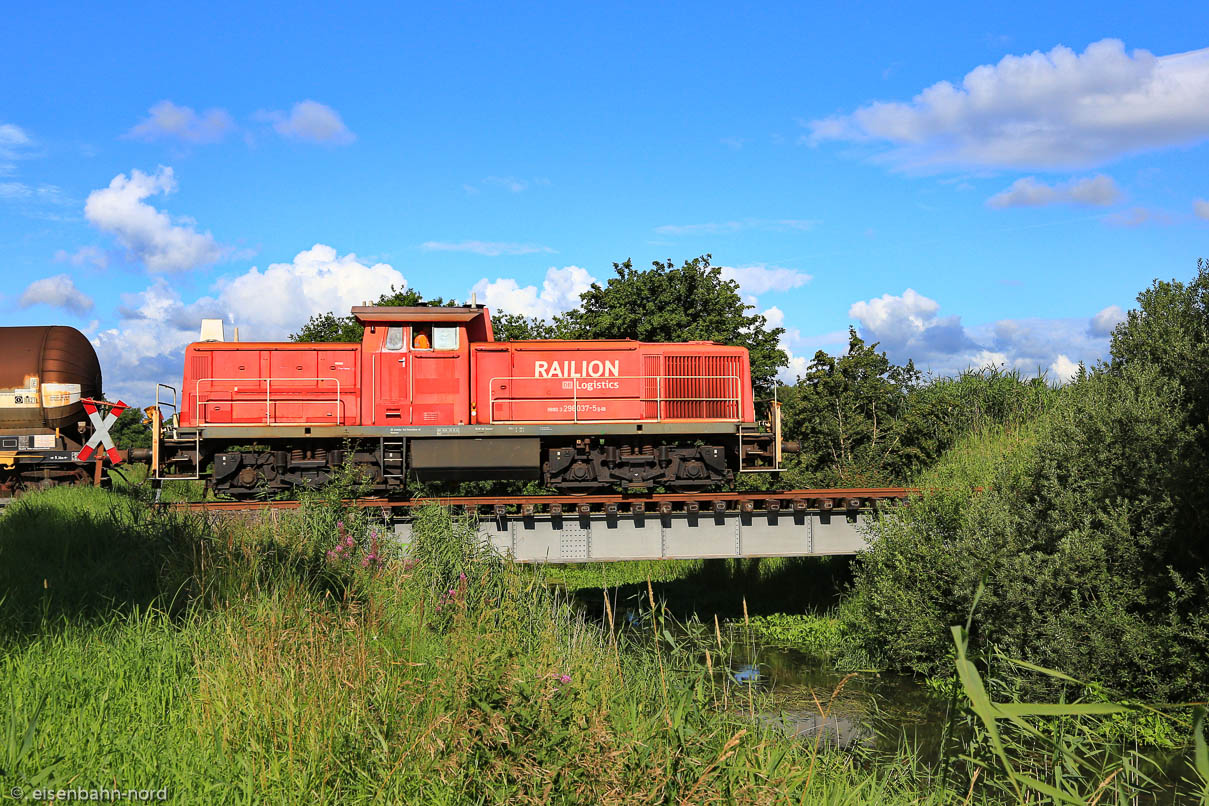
x=130, y=431
x=1169, y=330
x=1088, y=527
x=332, y=327
x=664, y=303
x=845, y=411
x=515, y=327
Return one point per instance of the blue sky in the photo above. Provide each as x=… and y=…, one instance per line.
x=159, y=164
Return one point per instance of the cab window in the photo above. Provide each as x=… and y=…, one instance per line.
x=394, y=339
x=445, y=338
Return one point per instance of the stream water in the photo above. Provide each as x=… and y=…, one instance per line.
x=884, y=712
x=806, y=695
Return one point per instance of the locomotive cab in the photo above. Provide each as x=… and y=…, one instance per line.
x=416, y=363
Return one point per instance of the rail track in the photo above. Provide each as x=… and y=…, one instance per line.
x=839, y=499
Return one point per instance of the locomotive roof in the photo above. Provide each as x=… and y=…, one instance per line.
x=418, y=313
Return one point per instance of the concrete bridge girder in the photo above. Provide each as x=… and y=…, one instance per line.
x=600, y=537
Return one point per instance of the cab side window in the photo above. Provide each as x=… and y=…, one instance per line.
x=394, y=339
x=445, y=338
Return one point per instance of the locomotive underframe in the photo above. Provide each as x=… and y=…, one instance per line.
x=245, y=462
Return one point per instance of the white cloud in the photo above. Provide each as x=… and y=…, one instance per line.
x=1049, y=110
x=84, y=256
x=1098, y=190
x=311, y=121
x=1201, y=208
x=910, y=327
x=150, y=235
x=900, y=323
x=1103, y=323
x=266, y=305
x=14, y=144
x=49, y=194
x=1063, y=369
x=510, y=182
x=148, y=346
x=759, y=278
x=41, y=201
x=12, y=135
x=726, y=227
x=317, y=280
x=1136, y=217
x=58, y=291
x=489, y=248
x=796, y=365
x=166, y=120
x=559, y=292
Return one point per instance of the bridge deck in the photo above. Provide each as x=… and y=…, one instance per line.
x=598, y=537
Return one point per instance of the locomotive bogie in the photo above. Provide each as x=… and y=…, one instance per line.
x=638, y=464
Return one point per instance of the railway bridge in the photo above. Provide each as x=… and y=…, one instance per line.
x=613, y=528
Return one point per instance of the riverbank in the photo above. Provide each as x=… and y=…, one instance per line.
x=295, y=657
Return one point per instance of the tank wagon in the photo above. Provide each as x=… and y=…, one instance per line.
x=45, y=374
x=429, y=391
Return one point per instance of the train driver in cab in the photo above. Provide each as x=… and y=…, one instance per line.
x=421, y=340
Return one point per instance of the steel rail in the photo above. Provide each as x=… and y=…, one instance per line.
x=834, y=498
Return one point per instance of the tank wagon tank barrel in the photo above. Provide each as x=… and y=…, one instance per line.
x=46, y=374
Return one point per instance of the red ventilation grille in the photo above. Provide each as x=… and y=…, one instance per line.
x=651, y=386
x=700, y=387
x=199, y=367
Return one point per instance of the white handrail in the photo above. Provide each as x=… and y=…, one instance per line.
x=155, y=469
x=268, y=398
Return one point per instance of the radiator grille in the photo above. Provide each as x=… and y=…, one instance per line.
x=702, y=387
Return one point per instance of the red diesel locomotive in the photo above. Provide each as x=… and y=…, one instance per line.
x=429, y=391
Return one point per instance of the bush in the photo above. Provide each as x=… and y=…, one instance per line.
x=1089, y=530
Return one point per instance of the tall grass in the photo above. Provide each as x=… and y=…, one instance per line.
x=296, y=657
x=247, y=660
x=1056, y=752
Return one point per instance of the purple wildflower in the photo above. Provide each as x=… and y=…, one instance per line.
x=565, y=679
x=348, y=541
